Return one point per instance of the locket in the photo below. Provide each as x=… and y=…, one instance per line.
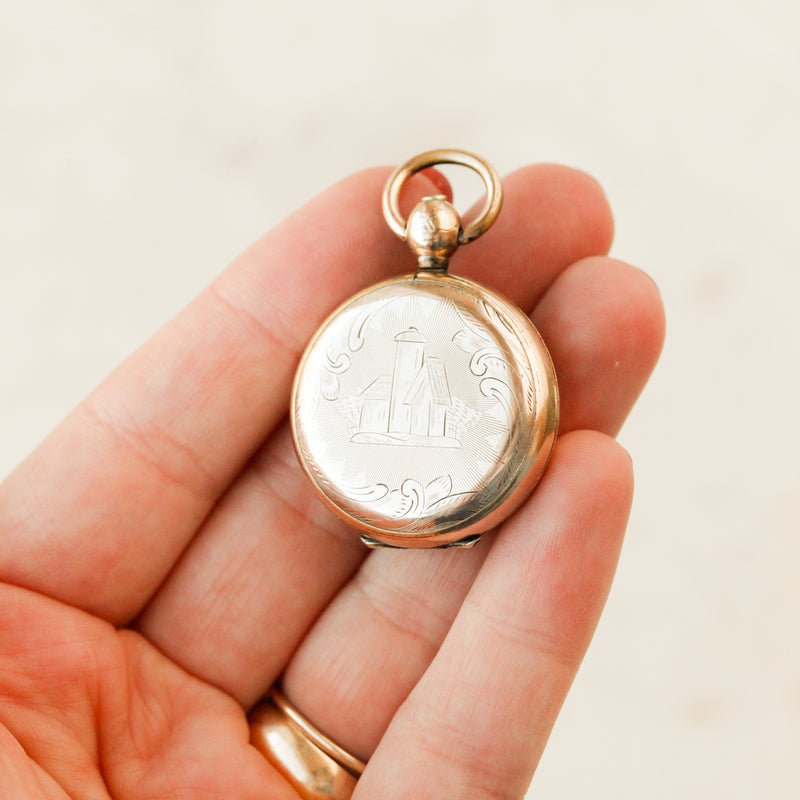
x=425, y=408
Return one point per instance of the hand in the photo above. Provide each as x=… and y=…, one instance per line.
x=165, y=559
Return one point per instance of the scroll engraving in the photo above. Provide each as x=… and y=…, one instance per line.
x=411, y=500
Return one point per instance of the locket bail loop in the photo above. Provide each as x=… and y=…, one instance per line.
x=489, y=175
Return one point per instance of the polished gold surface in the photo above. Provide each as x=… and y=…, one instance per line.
x=425, y=408
x=494, y=190
x=315, y=767
x=338, y=754
x=432, y=232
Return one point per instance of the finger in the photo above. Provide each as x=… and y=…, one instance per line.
x=266, y=562
x=439, y=181
x=603, y=321
x=241, y=637
x=98, y=514
x=552, y=217
x=476, y=723
x=362, y=658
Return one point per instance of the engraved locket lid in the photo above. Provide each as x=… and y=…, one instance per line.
x=425, y=408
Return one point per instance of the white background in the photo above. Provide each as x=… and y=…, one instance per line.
x=143, y=144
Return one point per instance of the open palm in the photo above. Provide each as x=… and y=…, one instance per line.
x=164, y=559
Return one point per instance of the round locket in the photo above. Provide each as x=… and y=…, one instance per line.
x=425, y=408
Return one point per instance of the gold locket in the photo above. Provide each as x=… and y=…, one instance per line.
x=425, y=408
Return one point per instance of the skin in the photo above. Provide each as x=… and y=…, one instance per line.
x=164, y=559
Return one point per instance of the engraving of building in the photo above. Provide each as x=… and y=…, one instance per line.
x=412, y=406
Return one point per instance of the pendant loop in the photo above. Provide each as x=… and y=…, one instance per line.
x=494, y=190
